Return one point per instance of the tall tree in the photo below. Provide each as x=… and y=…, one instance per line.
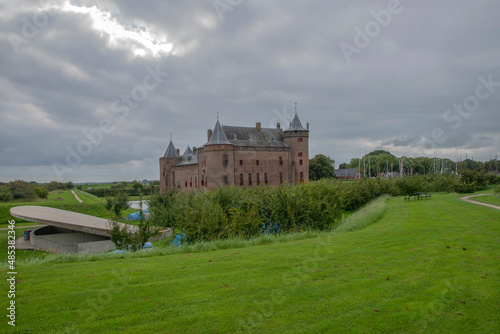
x=321, y=167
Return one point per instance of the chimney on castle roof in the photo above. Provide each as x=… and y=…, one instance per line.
x=178, y=152
x=258, y=126
x=209, y=134
x=194, y=149
x=278, y=125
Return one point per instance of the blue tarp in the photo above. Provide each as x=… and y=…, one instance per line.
x=178, y=240
x=137, y=215
x=270, y=228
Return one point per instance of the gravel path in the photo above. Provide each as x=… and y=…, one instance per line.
x=466, y=199
x=76, y=196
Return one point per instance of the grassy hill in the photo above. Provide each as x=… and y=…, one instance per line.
x=427, y=266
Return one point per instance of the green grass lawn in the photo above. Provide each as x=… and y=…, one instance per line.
x=429, y=266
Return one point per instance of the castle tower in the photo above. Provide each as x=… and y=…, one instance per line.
x=216, y=159
x=167, y=175
x=298, y=139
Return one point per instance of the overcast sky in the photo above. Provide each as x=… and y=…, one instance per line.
x=91, y=90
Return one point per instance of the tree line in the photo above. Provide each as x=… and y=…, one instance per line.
x=383, y=163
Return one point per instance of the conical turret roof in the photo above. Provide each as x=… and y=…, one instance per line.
x=188, y=151
x=171, y=152
x=218, y=136
x=296, y=125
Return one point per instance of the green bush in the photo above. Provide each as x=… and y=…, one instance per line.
x=125, y=238
x=471, y=181
x=115, y=205
x=21, y=190
x=6, y=194
x=41, y=192
x=165, y=207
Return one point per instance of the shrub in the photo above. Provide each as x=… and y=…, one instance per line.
x=165, y=207
x=125, y=238
x=41, y=192
x=471, y=181
x=21, y=190
x=115, y=205
x=5, y=194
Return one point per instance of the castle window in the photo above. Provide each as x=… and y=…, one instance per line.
x=202, y=180
x=195, y=182
x=249, y=179
x=299, y=140
x=186, y=184
x=164, y=171
x=265, y=178
x=241, y=179
x=224, y=162
x=281, y=160
x=257, y=161
x=300, y=154
x=301, y=177
x=226, y=179
x=281, y=178
x=241, y=162
x=258, y=178
x=300, y=162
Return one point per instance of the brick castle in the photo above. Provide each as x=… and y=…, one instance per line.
x=242, y=156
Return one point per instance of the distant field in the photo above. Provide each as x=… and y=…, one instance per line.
x=426, y=266
x=101, y=186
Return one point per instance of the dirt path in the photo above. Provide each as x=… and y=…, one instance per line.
x=76, y=196
x=466, y=199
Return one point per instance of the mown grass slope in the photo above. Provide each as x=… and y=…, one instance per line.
x=427, y=266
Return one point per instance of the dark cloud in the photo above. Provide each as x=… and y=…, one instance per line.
x=250, y=66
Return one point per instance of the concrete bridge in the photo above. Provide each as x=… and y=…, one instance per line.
x=64, y=219
x=69, y=232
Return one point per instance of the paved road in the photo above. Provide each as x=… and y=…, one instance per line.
x=466, y=199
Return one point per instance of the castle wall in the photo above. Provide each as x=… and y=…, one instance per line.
x=167, y=173
x=186, y=177
x=253, y=166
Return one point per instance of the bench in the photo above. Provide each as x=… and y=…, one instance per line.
x=412, y=196
x=419, y=195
